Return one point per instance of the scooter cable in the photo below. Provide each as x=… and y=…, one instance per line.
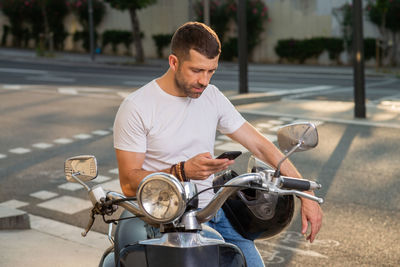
x=219, y=186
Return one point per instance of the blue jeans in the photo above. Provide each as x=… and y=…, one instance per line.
x=221, y=224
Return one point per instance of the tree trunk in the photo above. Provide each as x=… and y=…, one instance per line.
x=136, y=35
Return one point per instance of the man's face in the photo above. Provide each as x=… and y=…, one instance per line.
x=194, y=74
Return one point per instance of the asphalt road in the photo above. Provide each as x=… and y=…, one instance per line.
x=357, y=165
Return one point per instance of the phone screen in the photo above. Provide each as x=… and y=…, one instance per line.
x=229, y=155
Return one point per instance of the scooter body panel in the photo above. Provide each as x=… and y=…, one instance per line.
x=163, y=256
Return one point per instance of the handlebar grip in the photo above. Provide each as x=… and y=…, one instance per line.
x=298, y=184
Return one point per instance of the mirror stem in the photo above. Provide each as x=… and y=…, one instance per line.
x=79, y=181
x=278, y=168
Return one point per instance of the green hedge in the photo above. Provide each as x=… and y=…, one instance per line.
x=161, y=41
x=295, y=50
x=116, y=37
x=301, y=50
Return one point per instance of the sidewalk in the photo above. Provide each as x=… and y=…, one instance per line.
x=50, y=243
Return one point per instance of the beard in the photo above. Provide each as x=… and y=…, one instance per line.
x=187, y=88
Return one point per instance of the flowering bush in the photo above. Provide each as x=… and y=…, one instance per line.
x=29, y=17
x=385, y=12
x=80, y=8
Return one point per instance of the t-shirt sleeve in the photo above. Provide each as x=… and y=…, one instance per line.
x=129, y=129
x=229, y=118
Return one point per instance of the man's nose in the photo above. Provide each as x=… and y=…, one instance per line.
x=204, y=79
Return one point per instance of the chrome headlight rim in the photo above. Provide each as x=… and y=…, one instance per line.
x=175, y=184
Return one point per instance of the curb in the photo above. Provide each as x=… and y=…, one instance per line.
x=11, y=218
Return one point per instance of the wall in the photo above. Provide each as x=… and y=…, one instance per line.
x=289, y=19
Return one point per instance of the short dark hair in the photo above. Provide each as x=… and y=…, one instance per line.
x=196, y=36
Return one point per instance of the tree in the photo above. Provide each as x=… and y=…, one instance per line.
x=385, y=14
x=132, y=6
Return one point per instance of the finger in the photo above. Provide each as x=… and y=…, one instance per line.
x=304, y=224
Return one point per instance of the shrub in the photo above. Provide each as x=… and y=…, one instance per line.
x=222, y=12
x=369, y=48
x=27, y=19
x=161, y=41
x=116, y=37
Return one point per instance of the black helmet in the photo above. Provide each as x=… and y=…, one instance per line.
x=256, y=214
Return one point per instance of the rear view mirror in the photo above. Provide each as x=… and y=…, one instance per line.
x=82, y=167
x=298, y=136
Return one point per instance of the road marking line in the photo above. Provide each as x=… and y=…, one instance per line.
x=297, y=250
x=25, y=71
x=67, y=91
x=42, y=145
x=275, y=129
x=50, y=79
x=112, y=185
x=275, y=122
x=101, y=132
x=66, y=204
x=13, y=203
x=12, y=87
x=325, y=119
x=20, y=150
x=69, y=232
x=70, y=186
x=2, y=156
x=264, y=125
x=315, y=122
x=43, y=195
x=223, y=137
x=114, y=171
x=271, y=137
x=82, y=136
x=63, y=141
x=286, y=119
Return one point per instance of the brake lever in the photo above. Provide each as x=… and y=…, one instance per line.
x=90, y=224
x=297, y=193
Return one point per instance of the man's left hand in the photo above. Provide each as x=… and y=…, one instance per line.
x=310, y=212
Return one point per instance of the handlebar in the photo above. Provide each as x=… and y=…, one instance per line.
x=298, y=184
x=205, y=214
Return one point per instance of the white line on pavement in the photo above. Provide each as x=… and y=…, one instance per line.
x=100, y=132
x=12, y=87
x=42, y=145
x=324, y=119
x=63, y=141
x=2, y=156
x=297, y=250
x=50, y=79
x=25, y=71
x=20, y=150
x=82, y=136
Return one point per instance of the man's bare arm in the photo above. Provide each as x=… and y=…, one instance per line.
x=266, y=151
x=130, y=164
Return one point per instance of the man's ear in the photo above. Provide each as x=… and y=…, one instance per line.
x=173, y=62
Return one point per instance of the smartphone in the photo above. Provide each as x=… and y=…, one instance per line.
x=229, y=155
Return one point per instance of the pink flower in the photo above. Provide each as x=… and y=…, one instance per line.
x=255, y=11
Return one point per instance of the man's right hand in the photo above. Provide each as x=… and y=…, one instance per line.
x=201, y=166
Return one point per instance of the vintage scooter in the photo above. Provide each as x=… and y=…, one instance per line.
x=183, y=238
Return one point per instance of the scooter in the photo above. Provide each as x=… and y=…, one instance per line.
x=162, y=225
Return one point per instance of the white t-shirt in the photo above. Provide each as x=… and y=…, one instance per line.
x=170, y=129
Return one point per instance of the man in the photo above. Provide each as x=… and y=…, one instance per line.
x=173, y=120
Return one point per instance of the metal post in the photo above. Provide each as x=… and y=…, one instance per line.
x=91, y=29
x=242, y=45
x=206, y=11
x=358, y=57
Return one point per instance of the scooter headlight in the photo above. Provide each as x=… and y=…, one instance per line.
x=161, y=197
